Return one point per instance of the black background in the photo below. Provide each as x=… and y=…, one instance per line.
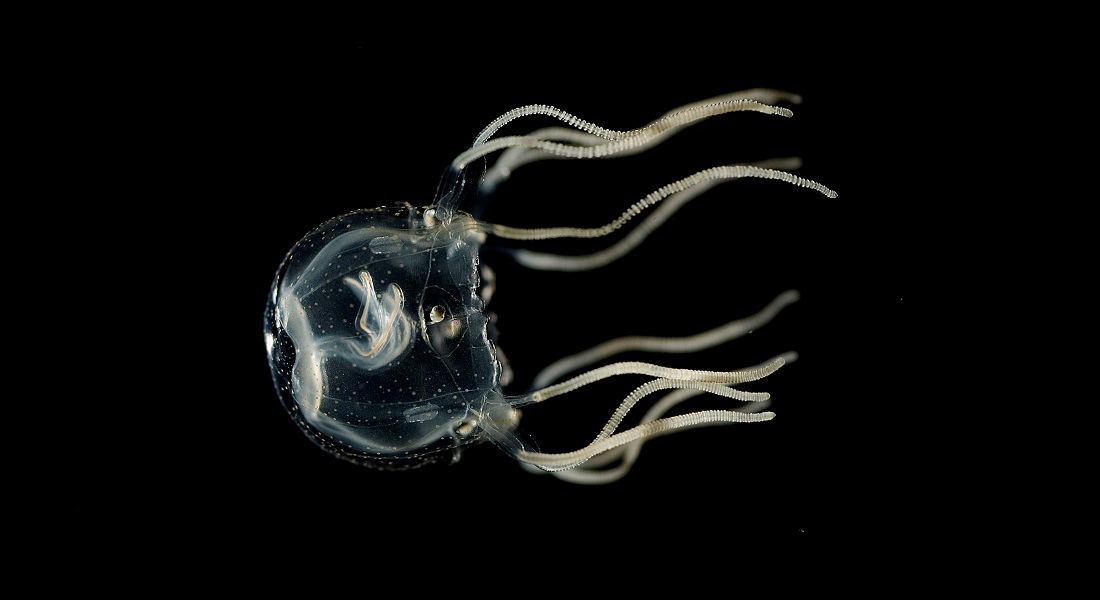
x=265, y=141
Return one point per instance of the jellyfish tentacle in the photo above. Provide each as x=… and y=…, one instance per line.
x=668, y=345
x=596, y=470
x=714, y=382
x=704, y=176
x=517, y=156
x=545, y=261
x=648, y=388
x=618, y=142
x=544, y=109
x=640, y=368
x=647, y=431
x=763, y=96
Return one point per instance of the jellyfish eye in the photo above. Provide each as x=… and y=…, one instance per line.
x=436, y=314
x=446, y=321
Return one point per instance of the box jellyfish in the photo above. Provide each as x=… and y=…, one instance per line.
x=384, y=353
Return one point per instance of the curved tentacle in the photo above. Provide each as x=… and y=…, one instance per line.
x=546, y=261
x=569, y=460
x=706, y=175
x=589, y=464
x=618, y=142
x=714, y=382
x=639, y=368
x=668, y=345
x=517, y=156
x=615, y=463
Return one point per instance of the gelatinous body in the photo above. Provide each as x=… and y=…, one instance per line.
x=382, y=349
x=381, y=344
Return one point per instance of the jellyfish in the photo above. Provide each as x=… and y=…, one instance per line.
x=384, y=351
